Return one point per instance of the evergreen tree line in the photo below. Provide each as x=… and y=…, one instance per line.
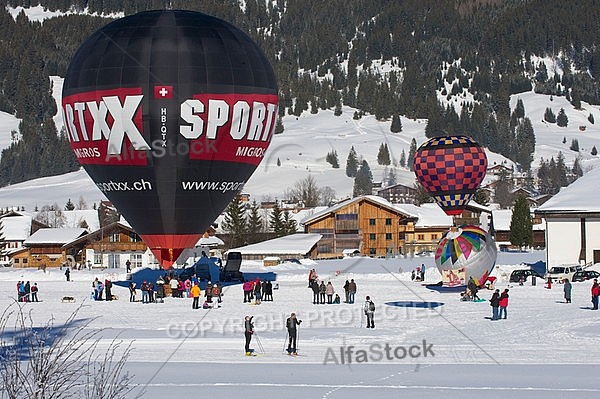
x=421, y=40
x=244, y=224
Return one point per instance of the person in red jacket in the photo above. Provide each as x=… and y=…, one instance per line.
x=503, y=304
x=595, y=294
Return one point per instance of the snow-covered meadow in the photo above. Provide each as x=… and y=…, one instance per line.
x=546, y=348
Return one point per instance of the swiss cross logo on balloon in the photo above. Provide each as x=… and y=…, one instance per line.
x=109, y=127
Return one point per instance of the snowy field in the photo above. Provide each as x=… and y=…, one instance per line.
x=546, y=348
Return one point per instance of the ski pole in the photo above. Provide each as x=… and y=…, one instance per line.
x=259, y=343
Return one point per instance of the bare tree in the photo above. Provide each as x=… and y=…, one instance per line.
x=305, y=191
x=59, y=361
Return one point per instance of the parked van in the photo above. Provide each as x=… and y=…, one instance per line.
x=558, y=273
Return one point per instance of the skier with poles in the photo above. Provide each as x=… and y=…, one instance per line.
x=291, y=324
x=249, y=330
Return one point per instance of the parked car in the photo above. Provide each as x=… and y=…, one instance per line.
x=584, y=275
x=516, y=275
x=559, y=273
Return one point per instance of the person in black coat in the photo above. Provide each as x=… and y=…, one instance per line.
x=291, y=324
x=248, y=331
x=314, y=285
x=495, y=304
x=473, y=288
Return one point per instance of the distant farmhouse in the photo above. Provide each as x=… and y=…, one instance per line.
x=573, y=223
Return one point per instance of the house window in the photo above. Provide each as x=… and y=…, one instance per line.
x=420, y=237
x=114, y=261
x=114, y=237
x=97, y=258
x=388, y=222
x=371, y=222
x=372, y=236
x=136, y=260
x=16, y=260
x=372, y=251
x=388, y=236
x=434, y=236
x=133, y=237
x=24, y=260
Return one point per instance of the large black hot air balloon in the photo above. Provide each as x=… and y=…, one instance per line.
x=170, y=112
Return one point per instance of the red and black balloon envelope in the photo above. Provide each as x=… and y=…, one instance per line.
x=450, y=168
x=170, y=112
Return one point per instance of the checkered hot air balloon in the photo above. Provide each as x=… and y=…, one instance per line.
x=450, y=168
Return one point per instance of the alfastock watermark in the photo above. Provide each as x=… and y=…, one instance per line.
x=377, y=353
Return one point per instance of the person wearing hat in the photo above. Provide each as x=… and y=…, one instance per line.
x=291, y=324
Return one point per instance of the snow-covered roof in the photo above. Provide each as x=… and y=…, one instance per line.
x=579, y=196
x=16, y=228
x=211, y=241
x=293, y=244
x=428, y=215
x=55, y=236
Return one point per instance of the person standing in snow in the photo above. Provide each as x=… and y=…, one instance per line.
x=247, y=287
x=473, y=288
x=329, y=291
x=495, y=303
x=503, y=302
x=291, y=324
x=315, y=289
x=248, y=331
x=369, y=310
x=567, y=290
x=208, y=292
x=68, y=274
x=322, y=291
x=108, y=289
x=195, y=292
x=422, y=272
x=595, y=294
x=132, y=292
x=352, y=290
x=34, y=291
x=347, y=291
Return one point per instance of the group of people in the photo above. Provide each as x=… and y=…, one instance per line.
x=27, y=292
x=102, y=289
x=499, y=303
x=257, y=291
x=321, y=291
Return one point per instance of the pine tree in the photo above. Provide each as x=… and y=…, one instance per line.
x=577, y=170
x=391, y=177
x=403, y=159
x=332, y=158
x=396, y=126
x=383, y=156
x=352, y=163
x=411, y=154
x=521, y=225
x=591, y=118
x=254, y=224
x=69, y=206
x=594, y=151
x=289, y=225
x=561, y=119
x=276, y=220
x=574, y=145
x=234, y=221
x=549, y=116
x=363, y=182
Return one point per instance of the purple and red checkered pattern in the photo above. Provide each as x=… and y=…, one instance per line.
x=451, y=168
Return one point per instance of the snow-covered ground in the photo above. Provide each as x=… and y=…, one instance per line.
x=546, y=348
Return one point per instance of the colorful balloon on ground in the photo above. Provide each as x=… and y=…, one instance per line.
x=465, y=252
x=170, y=112
x=450, y=168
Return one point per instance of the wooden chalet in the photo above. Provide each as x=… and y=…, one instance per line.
x=44, y=248
x=110, y=247
x=398, y=194
x=372, y=226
